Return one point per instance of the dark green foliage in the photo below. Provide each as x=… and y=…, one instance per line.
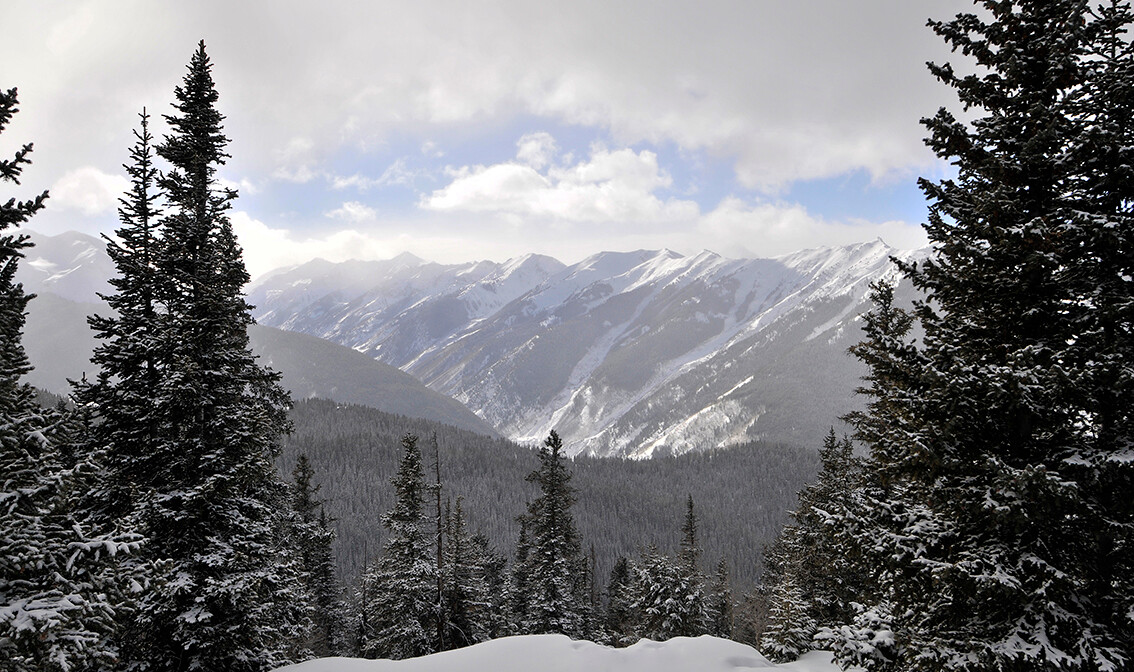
x=189, y=422
x=553, y=568
x=63, y=579
x=996, y=497
x=743, y=493
x=128, y=359
x=398, y=596
x=311, y=534
x=811, y=579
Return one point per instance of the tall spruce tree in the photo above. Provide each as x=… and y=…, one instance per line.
x=209, y=499
x=62, y=584
x=812, y=561
x=467, y=603
x=997, y=490
x=553, y=565
x=129, y=360
x=311, y=534
x=399, y=607
x=718, y=605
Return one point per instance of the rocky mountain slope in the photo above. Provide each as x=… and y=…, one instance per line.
x=68, y=269
x=627, y=354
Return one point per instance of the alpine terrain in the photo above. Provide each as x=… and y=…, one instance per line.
x=623, y=354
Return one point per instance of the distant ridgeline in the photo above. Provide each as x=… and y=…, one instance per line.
x=742, y=494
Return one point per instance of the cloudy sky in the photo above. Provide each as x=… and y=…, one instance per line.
x=483, y=130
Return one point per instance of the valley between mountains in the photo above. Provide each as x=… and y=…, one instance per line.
x=629, y=354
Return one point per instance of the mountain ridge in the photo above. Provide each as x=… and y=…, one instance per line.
x=623, y=353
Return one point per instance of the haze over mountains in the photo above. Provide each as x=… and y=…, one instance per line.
x=624, y=354
x=66, y=271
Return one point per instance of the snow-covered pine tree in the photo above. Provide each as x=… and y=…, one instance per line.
x=209, y=499
x=719, y=603
x=311, y=534
x=492, y=567
x=666, y=601
x=466, y=601
x=129, y=363
x=399, y=606
x=620, y=618
x=62, y=585
x=554, y=565
x=997, y=497
x=814, y=558
x=790, y=628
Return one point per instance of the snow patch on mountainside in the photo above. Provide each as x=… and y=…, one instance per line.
x=624, y=353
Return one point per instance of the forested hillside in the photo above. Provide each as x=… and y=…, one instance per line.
x=742, y=494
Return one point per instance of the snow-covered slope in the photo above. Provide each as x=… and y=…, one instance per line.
x=72, y=265
x=59, y=345
x=557, y=653
x=623, y=353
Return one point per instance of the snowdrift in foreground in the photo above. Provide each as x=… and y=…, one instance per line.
x=558, y=653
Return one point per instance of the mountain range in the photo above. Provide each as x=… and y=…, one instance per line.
x=626, y=354
x=629, y=354
x=66, y=271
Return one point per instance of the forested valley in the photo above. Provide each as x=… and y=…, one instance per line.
x=742, y=495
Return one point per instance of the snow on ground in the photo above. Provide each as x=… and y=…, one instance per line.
x=558, y=653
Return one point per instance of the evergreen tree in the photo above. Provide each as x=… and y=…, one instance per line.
x=312, y=536
x=492, y=567
x=129, y=361
x=399, y=604
x=467, y=616
x=207, y=494
x=719, y=603
x=997, y=490
x=62, y=585
x=555, y=598
x=666, y=600
x=813, y=558
x=620, y=618
x=690, y=555
x=790, y=628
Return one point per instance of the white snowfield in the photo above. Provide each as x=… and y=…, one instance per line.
x=558, y=653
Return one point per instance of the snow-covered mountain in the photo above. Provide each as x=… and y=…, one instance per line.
x=626, y=354
x=72, y=265
x=67, y=270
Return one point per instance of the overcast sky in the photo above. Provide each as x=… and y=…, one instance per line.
x=477, y=130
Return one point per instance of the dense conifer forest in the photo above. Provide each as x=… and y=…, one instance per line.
x=742, y=494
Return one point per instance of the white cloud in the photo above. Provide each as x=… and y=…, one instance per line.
x=355, y=212
x=612, y=186
x=430, y=149
x=298, y=174
x=89, y=191
x=397, y=173
x=244, y=187
x=536, y=149
x=738, y=229
x=266, y=248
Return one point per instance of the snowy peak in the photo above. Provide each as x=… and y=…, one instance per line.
x=72, y=265
x=624, y=353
